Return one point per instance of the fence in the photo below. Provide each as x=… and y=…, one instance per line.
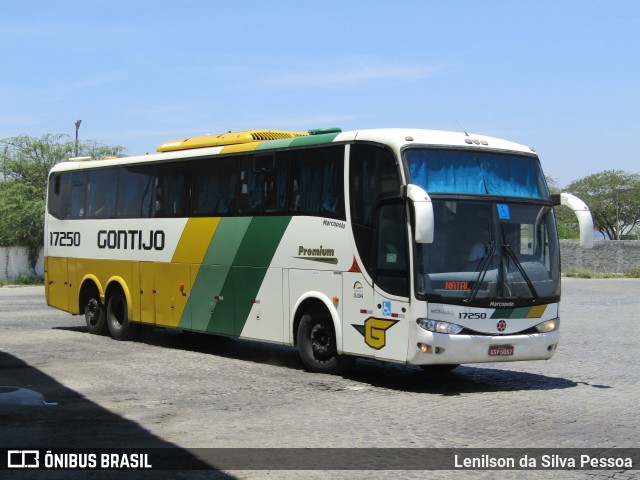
x=606, y=256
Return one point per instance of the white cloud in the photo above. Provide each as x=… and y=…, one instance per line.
x=357, y=75
x=330, y=73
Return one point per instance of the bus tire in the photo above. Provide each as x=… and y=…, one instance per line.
x=94, y=315
x=317, y=345
x=118, y=316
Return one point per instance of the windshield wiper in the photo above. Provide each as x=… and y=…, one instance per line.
x=508, y=252
x=483, y=268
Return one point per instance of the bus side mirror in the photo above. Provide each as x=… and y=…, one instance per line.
x=423, y=210
x=581, y=210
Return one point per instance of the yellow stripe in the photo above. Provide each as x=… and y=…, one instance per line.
x=537, y=311
x=195, y=240
x=243, y=147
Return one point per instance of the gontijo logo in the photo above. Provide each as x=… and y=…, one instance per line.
x=374, y=331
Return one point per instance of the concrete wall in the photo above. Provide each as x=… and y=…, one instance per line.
x=606, y=256
x=14, y=262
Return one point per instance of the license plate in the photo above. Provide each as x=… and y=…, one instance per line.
x=501, y=350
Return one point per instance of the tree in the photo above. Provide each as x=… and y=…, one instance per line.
x=613, y=197
x=26, y=162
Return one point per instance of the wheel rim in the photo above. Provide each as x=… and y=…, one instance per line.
x=321, y=341
x=91, y=311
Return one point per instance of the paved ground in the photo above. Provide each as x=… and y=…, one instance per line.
x=189, y=391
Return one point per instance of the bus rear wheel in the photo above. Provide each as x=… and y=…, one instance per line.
x=95, y=316
x=317, y=345
x=118, y=317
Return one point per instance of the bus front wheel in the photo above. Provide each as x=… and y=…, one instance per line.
x=118, y=316
x=317, y=344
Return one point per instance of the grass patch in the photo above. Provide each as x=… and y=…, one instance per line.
x=23, y=280
x=586, y=273
x=633, y=273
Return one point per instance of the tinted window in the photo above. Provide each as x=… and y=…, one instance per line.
x=173, y=190
x=54, y=202
x=102, y=193
x=373, y=174
x=392, y=271
x=263, y=179
x=74, y=200
x=317, y=182
x=215, y=186
x=135, y=192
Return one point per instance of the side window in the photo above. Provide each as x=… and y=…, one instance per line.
x=263, y=179
x=173, y=190
x=67, y=195
x=392, y=267
x=54, y=198
x=317, y=177
x=373, y=174
x=74, y=200
x=215, y=186
x=102, y=193
x=135, y=191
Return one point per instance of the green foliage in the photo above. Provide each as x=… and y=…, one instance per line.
x=566, y=220
x=26, y=162
x=21, y=216
x=613, y=197
x=633, y=273
x=586, y=273
x=567, y=224
x=23, y=279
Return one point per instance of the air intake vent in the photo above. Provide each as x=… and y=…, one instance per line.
x=231, y=138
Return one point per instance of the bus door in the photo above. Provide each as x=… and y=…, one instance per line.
x=389, y=329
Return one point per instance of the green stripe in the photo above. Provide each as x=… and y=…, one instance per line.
x=254, y=256
x=313, y=139
x=297, y=141
x=226, y=242
x=270, y=144
x=234, y=268
x=260, y=241
x=212, y=276
x=521, y=312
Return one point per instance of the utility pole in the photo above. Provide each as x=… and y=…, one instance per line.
x=78, y=122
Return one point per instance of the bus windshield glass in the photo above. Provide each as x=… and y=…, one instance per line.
x=488, y=251
x=476, y=172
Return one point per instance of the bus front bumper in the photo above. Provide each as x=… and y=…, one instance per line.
x=437, y=348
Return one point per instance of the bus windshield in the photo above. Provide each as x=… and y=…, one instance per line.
x=476, y=172
x=489, y=251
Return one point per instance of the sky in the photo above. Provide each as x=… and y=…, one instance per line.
x=562, y=76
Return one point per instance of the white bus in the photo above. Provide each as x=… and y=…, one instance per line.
x=424, y=247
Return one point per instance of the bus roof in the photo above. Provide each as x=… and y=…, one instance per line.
x=256, y=140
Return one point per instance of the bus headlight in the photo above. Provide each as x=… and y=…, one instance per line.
x=439, y=327
x=548, y=326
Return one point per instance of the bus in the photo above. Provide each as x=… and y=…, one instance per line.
x=423, y=247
